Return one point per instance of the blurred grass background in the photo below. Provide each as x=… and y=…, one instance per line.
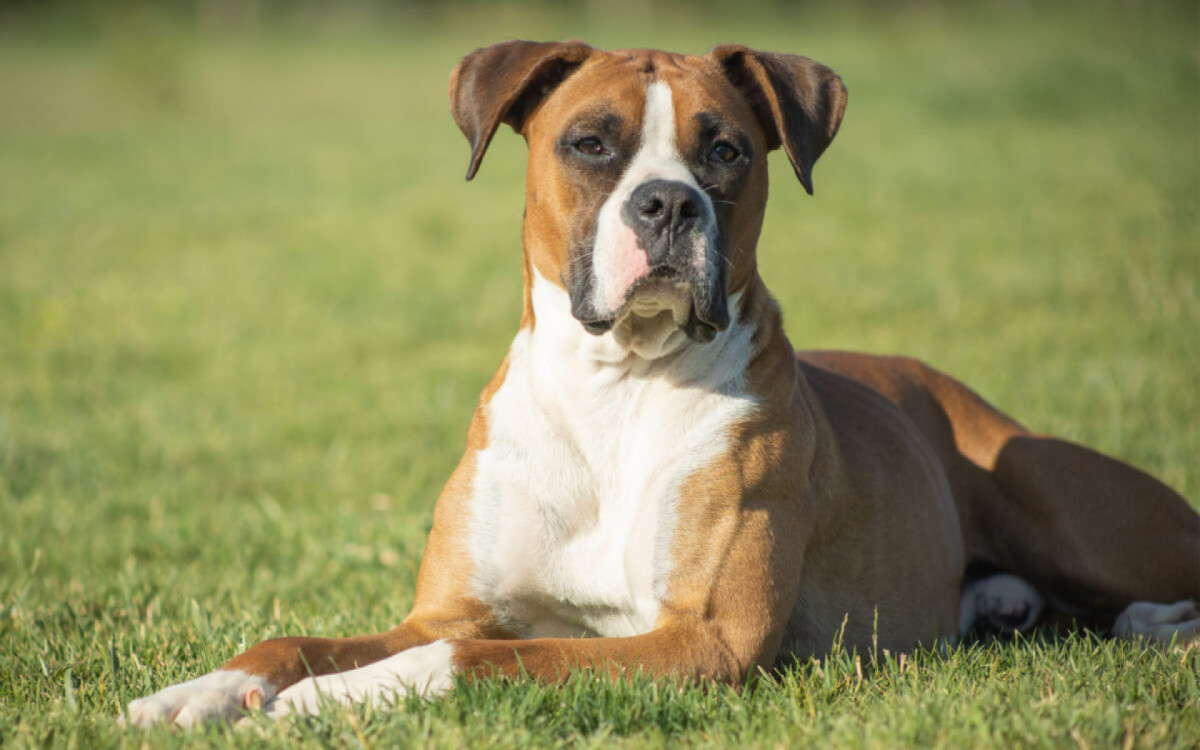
x=247, y=301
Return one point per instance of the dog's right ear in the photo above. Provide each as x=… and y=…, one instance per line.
x=504, y=83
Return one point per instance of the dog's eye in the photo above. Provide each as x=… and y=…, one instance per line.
x=591, y=146
x=724, y=152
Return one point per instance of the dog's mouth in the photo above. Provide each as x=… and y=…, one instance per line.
x=697, y=309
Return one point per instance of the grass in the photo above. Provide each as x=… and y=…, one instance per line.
x=247, y=304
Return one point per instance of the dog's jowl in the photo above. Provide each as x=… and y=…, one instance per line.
x=653, y=465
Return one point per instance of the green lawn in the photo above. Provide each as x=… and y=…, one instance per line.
x=247, y=303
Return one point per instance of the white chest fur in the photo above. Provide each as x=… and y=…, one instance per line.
x=588, y=445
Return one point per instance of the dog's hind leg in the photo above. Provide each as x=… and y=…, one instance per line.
x=1090, y=533
x=1094, y=534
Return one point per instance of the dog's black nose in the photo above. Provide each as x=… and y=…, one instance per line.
x=659, y=212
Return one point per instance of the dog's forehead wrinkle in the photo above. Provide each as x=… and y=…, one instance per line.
x=648, y=60
x=602, y=115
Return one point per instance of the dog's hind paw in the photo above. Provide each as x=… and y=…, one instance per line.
x=224, y=695
x=1000, y=603
x=1161, y=623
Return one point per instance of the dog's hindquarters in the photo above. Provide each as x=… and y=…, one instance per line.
x=1090, y=533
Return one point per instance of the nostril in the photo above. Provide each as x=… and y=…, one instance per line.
x=689, y=210
x=652, y=208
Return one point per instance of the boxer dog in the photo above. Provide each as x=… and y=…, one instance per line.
x=655, y=480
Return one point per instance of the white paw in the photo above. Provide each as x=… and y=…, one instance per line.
x=424, y=670
x=221, y=695
x=1001, y=603
x=1159, y=622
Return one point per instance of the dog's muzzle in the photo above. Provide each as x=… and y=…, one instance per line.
x=674, y=227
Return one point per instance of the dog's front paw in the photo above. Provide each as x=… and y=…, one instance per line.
x=1160, y=622
x=224, y=695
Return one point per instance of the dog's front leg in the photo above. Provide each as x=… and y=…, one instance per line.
x=253, y=679
x=684, y=649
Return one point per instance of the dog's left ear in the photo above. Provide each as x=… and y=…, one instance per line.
x=504, y=83
x=798, y=101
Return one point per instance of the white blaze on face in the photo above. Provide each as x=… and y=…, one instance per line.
x=617, y=260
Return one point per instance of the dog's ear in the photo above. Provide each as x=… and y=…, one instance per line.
x=798, y=101
x=504, y=83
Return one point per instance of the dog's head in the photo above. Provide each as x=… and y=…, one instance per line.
x=647, y=175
